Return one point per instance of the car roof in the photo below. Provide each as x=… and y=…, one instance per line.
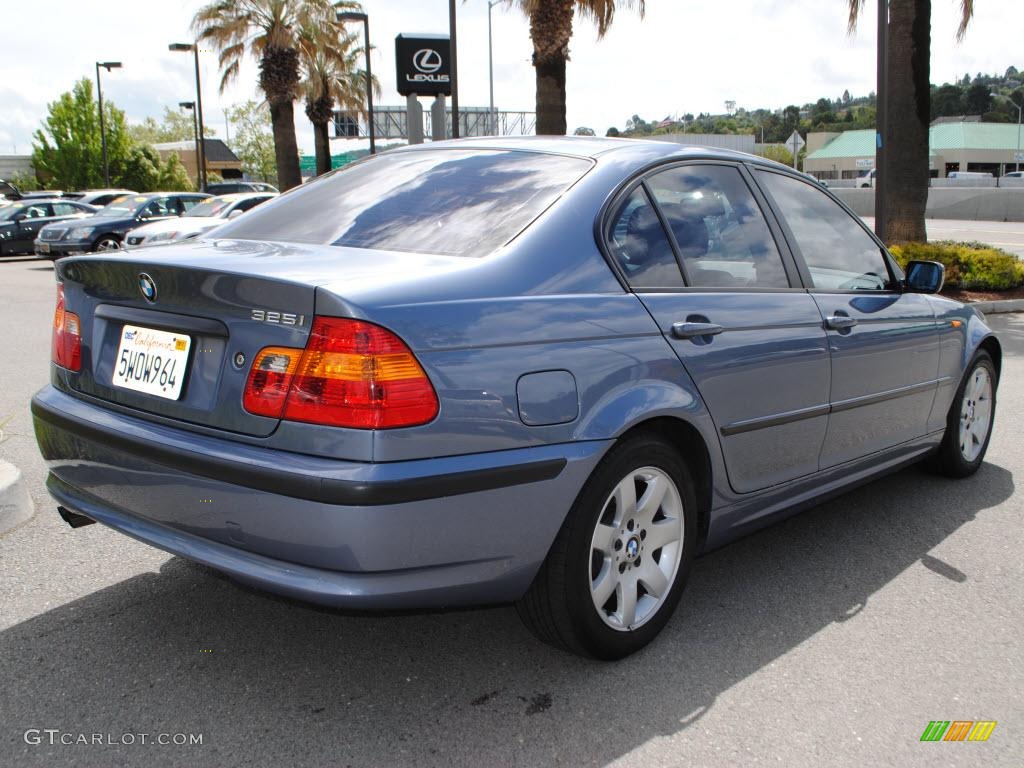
x=37, y=200
x=107, y=191
x=592, y=148
x=232, y=197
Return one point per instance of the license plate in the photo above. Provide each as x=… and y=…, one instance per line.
x=44, y=247
x=151, y=361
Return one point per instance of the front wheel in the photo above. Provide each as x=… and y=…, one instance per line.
x=970, y=420
x=618, y=566
x=107, y=243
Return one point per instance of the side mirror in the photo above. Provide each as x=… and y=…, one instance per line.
x=924, y=277
x=235, y=214
x=19, y=217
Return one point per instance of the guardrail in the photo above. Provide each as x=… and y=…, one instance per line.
x=967, y=203
x=993, y=183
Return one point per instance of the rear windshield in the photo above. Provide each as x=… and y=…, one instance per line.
x=455, y=202
x=213, y=207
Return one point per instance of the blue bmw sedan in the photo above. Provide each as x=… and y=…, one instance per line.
x=544, y=371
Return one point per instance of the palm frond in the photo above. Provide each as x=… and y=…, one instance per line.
x=856, y=8
x=602, y=12
x=966, y=13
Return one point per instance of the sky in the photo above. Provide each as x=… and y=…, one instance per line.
x=684, y=56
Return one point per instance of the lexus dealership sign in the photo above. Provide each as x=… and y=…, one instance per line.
x=423, y=63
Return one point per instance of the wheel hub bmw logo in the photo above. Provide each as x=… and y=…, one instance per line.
x=147, y=285
x=632, y=548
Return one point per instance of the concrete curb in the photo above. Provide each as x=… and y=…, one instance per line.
x=996, y=307
x=15, y=502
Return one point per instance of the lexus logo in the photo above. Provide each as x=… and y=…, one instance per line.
x=147, y=286
x=427, y=61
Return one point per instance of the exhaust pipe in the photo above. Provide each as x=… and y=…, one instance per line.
x=74, y=519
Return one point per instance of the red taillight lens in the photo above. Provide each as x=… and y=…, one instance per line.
x=269, y=380
x=351, y=374
x=66, y=346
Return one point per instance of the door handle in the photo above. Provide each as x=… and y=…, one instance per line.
x=693, y=330
x=840, y=322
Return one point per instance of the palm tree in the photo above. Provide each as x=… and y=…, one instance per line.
x=551, y=30
x=268, y=30
x=908, y=110
x=330, y=61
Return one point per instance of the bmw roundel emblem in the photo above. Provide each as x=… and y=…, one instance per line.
x=147, y=285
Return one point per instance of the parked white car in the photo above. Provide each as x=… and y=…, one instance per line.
x=201, y=219
x=867, y=178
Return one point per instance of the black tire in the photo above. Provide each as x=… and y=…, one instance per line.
x=950, y=460
x=558, y=607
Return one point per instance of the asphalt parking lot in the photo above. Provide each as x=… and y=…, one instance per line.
x=830, y=639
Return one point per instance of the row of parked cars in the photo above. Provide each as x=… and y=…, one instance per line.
x=55, y=224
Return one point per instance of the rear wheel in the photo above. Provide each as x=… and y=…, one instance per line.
x=970, y=420
x=618, y=566
x=107, y=243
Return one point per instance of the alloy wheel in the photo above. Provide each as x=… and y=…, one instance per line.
x=636, y=548
x=975, y=413
x=108, y=244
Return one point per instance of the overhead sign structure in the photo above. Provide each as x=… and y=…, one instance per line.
x=423, y=64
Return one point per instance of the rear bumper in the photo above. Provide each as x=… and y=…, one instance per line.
x=458, y=530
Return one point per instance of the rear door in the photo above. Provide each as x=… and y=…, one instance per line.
x=694, y=244
x=884, y=343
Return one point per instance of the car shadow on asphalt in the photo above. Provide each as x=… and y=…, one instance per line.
x=269, y=679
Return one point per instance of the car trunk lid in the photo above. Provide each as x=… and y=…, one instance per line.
x=218, y=318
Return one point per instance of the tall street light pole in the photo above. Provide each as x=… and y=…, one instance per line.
x=107, y=65
x=490, y=63
x=452, y=33
x=1020, y=113
x=343, y=16
x=881, y=119
x=201, y=157
x=195, y=127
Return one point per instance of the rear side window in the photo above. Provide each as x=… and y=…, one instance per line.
x=839, y=253
x=450, y=202
x=722, y=235
x=162, y=206
x=639, y=244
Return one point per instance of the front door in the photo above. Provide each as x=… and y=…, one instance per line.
x=884, y=343
x=696, y=248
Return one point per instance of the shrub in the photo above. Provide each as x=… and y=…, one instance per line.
x=970, y=266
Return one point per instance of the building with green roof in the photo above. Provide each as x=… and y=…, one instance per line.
x=953, y=146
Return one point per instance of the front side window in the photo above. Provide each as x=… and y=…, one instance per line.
x=38, y=211
x=839, y=253
x=454, y=202
x=188, y=203
x=722, y=235
x=639, y=244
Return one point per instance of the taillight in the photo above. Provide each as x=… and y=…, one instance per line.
x=269, y=380
x=66, y=346
x=351, y=374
